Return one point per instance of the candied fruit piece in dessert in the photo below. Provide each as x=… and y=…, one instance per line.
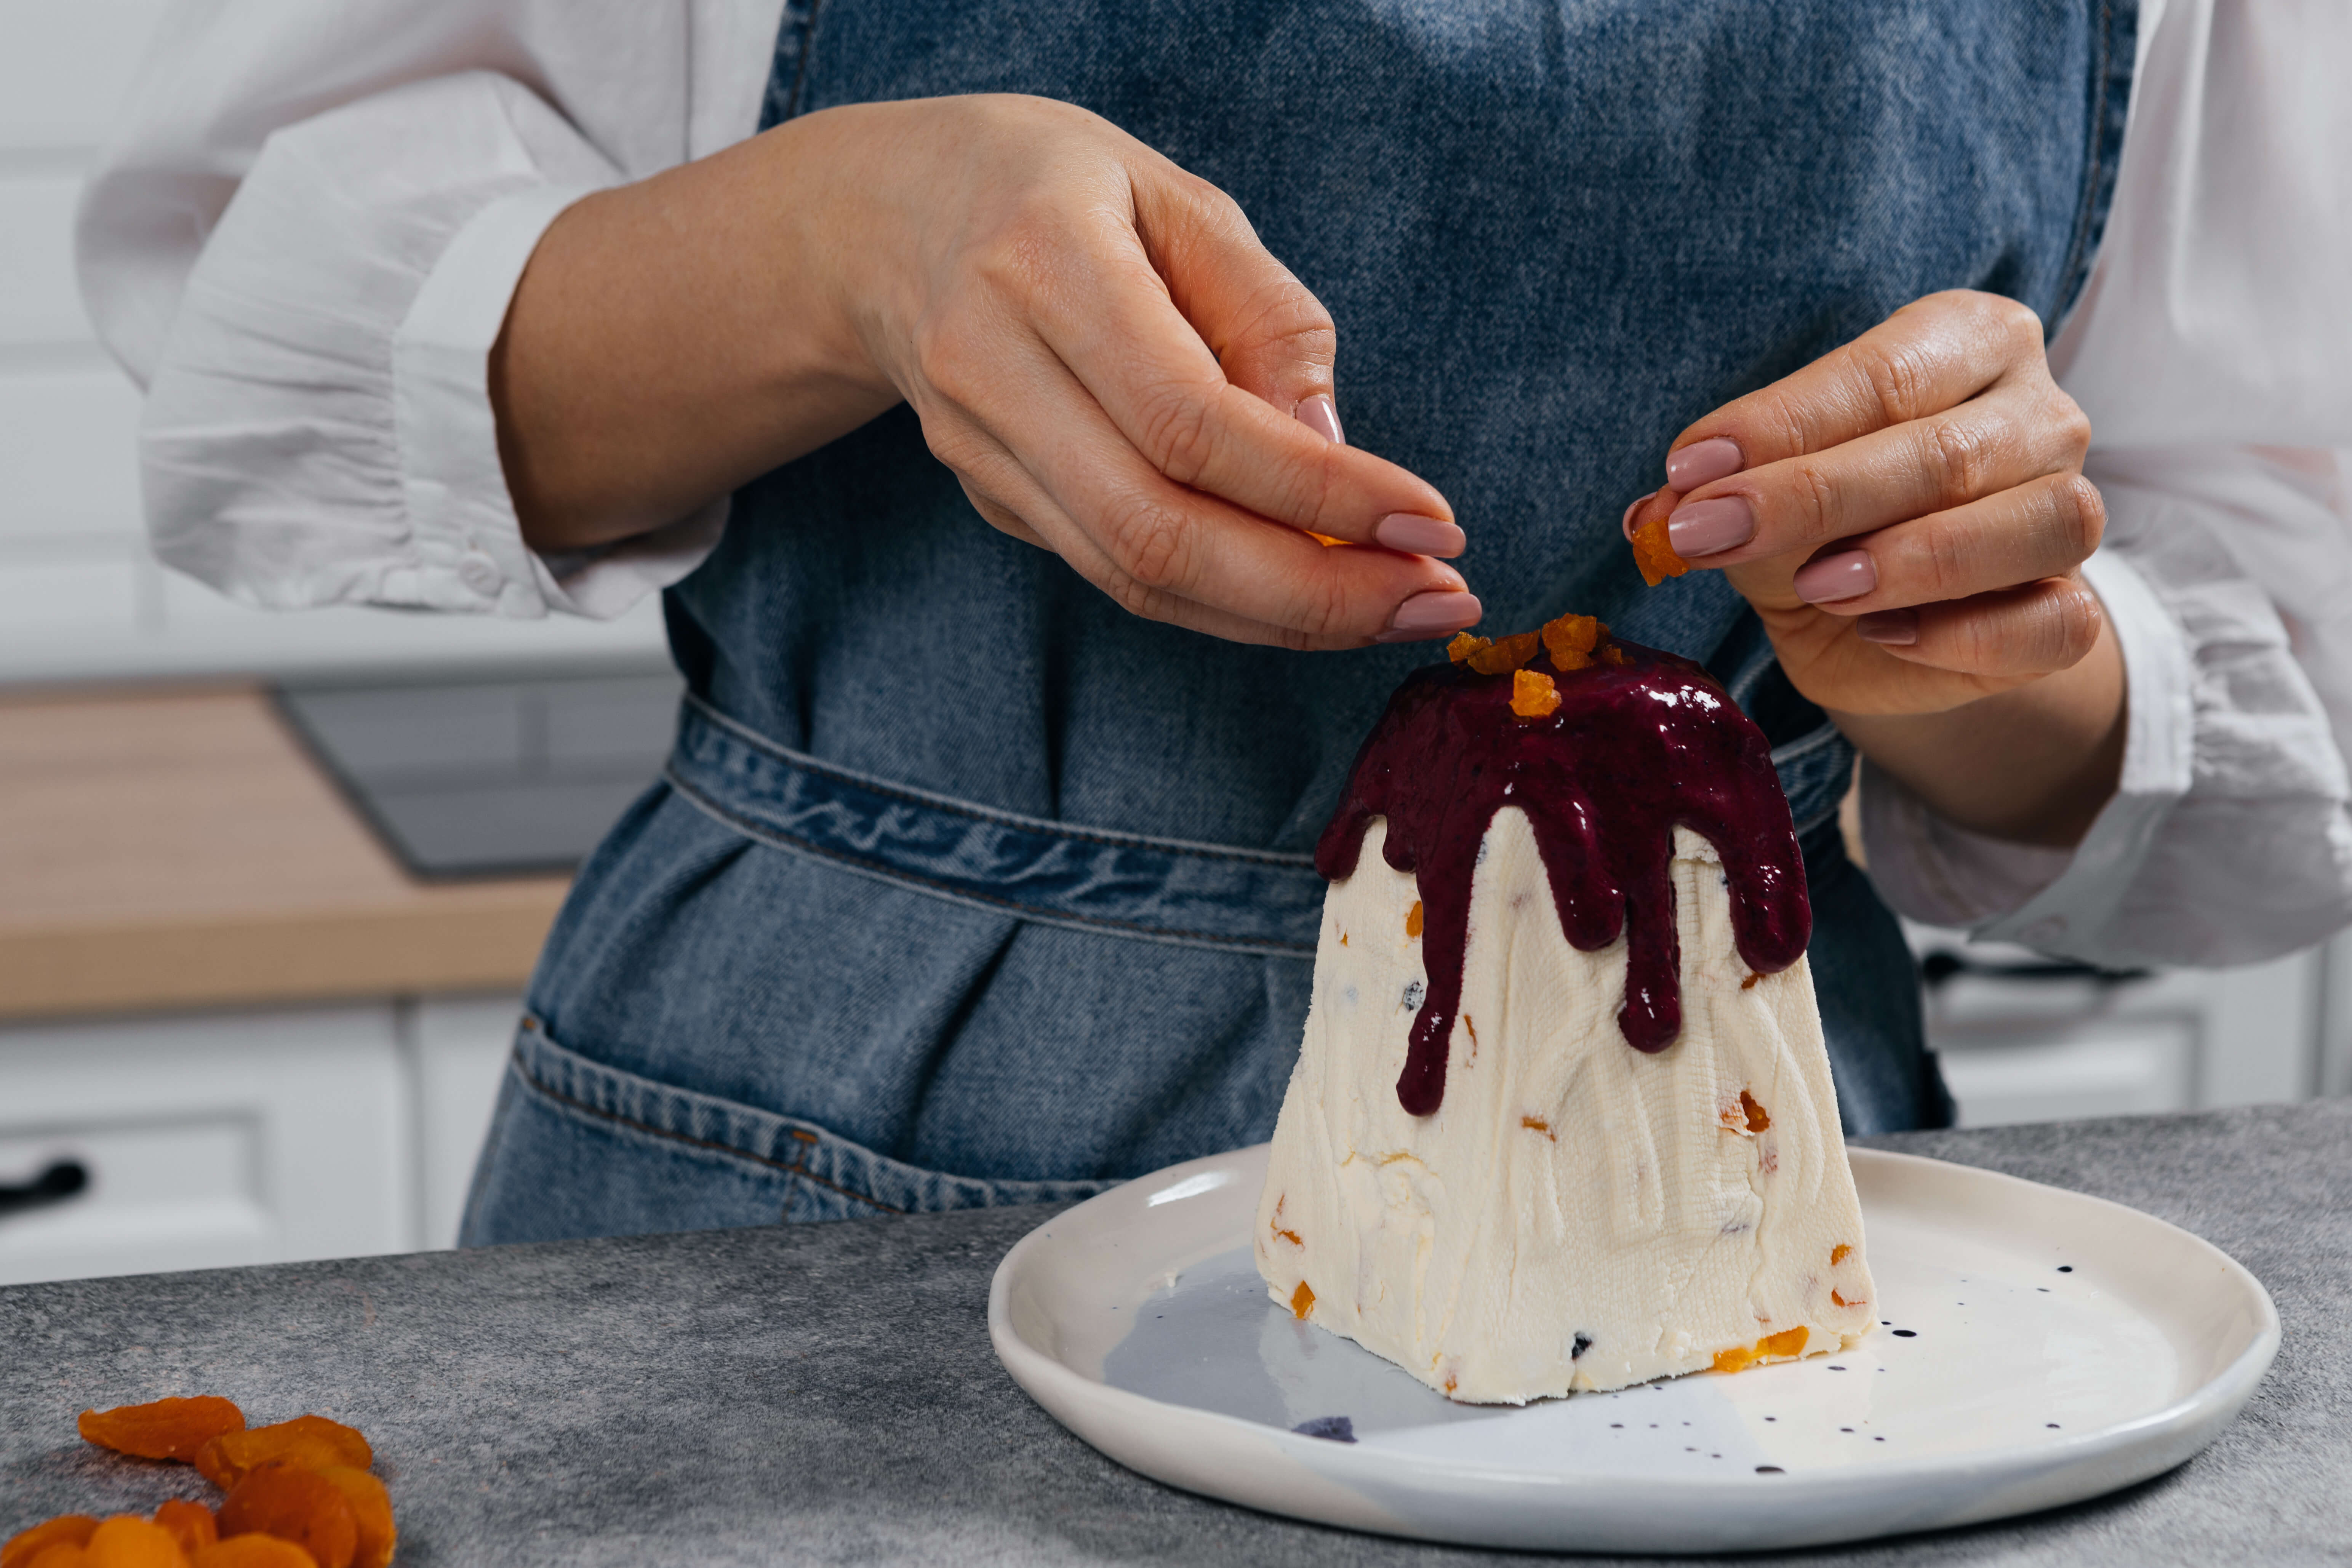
x=1787, y=1343
x=1839, y=1254
x=1506, y=656
x=1568, y=638
x=1758, y=1122
x=1533, y=695
x=1412, y=919
x=162, y=1428
x=1302, y=1300
x=1463, y=645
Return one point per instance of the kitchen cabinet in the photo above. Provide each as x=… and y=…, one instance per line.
x=248, y=1137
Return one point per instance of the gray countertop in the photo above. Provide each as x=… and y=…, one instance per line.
x=827, y=1394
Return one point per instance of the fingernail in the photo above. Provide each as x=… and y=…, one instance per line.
x=1637, y=504
x=1703, y=462
x=1432, y=616
x=1417, y=535
x=1320, y=415
x=1846, y=576
x=1900, y=628
x=1709, y=527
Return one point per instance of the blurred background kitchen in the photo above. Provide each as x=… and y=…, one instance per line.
x=270, y=885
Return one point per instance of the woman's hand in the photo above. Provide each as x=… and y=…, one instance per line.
x=1094, y=340
x=1909, y=517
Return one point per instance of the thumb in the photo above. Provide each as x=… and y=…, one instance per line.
x=1272, y=336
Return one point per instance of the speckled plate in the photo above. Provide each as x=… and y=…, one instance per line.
x=2037, y=1347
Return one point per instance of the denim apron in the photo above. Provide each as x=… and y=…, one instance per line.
x=964, y=887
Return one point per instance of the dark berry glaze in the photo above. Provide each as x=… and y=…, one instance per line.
x=1634, y=751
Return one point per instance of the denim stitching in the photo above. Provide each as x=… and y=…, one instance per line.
x=796, y=1170
x=1107, y=838
x=778, y=839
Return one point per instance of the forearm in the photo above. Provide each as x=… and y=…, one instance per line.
x=672, y=339
x=2034, y=764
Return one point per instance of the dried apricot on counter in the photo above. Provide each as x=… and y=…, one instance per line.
x=1653, y=548
x=127, y=1540
x=370, y=1511
x=1506, y=656
x=64, y=1554
x=310, y=1442
x=297, y=1505
x=1533, y=695
x=67, y=1529
x=189, y=1522
x=162, y=1429
x=255, y=1552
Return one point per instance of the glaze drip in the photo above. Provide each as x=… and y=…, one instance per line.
x=1634, y=750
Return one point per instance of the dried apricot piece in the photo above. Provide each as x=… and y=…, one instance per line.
x=67, y=1529
x=127, y=1540
x=1502, y=657
x=1533, y=695
x=1412, y=919
x=1654, y=549
x=1612, y=654
x=312, y=1442
x=297, y=1505
x=1302, y=1300
x=1758, y=1120
x=1568, y=638
x=1463, y=645
x=255, y=1552
x=64, y=1554
x=1839, y=1254
x=162, y=1428
x=189, y=1522
x=372, y=1510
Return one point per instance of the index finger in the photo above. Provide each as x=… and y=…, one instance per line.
x=1114, y=322
x=1932, y=355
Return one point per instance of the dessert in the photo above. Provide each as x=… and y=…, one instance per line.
x=1563, y=1116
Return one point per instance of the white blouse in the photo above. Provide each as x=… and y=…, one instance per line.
x=304, y=239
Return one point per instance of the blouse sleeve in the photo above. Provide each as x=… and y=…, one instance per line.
x=2209, y=352
x=304, y=242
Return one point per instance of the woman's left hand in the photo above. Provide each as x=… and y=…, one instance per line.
x=1907, y=514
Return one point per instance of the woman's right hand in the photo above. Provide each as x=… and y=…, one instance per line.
x=1094, y=340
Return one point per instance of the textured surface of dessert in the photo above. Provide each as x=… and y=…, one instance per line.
x=1575, y=1215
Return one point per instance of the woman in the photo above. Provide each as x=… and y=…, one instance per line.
x=978, y=874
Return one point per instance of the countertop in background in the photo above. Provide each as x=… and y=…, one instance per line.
x=175, y=848
x=827, y=1394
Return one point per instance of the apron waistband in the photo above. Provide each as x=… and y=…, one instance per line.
x=1096, y=879
x=1114, y=884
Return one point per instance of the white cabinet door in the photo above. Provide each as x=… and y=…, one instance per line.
x=2019, y=1043
x=461, y=1049
x=244, y=1138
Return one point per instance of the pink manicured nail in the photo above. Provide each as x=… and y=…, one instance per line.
x=1848, y=574
x=1711, y=527
x=1898, y=627
x=1320, y=415
x=1703, y=463
x=1634, y=506
x=1418, y=535
x=1432, y=614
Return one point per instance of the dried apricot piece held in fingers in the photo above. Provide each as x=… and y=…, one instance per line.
x=67, y=1529
x=297, y=1505
x=1653, y=548
x=162, y=1429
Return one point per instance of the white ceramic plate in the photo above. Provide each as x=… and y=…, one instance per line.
x=2038, y=1347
